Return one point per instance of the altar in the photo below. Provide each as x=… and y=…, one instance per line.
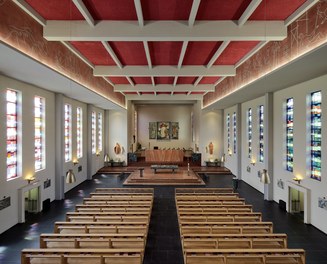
x=164, y=156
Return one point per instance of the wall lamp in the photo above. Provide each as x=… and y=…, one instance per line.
x=30, y=178
x=97, y=154
x=252, y=162
x=75, y=162
x=297, y=179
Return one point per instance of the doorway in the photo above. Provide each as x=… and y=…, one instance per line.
x=32, y=201
x=296, y=203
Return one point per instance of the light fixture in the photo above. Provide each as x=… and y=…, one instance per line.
x=297, y=179
x=229, y=152
x=30, y=178
x=97, y=153
x=265, y=177
x=70, y=176
x=252, y=162
x=75, y=161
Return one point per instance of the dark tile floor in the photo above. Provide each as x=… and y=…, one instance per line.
x=163, y=245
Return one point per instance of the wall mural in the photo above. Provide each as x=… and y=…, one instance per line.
x=163, y=130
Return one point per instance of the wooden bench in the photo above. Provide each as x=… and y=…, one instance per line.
x=222, y=197
x=89, y=201
x=164, y=167
x=221, y=218
x=108, y=218
x=112, y=208
x=239, y=201
x=203, y=209
x=204, y=191
x=125, y=190
x=110, y=194
x=223, y=241
x=92, y=241
x=99, y=196
x=81, y=256
x=245, y=256
x=226, y=228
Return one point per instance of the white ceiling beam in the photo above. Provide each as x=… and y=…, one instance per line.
x=198, y=80
x=153, y=81
x=166, y=70
x=139, y=13
x=147, y=53
x=251, y=53
x=189, y=93
x=84, y=11
x=130, y=80
x=182, y=55
x=110, y=82
x=300, y=11
x=77, y=53
x=175, y=80
x=164, y=88
x=219, y=81
x=112, y=54
x=163, y=97
x=194, y=11
x=164, y=31
x=219, y=51
x=30, y=11
x=248, y=12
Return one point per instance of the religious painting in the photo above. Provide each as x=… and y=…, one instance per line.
x=174, y=130
x=152, y=130
x=163, y=130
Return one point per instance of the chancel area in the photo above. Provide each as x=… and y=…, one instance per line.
x=162, y=131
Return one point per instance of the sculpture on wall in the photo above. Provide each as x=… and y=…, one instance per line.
x=210, y=148
x=117, y=149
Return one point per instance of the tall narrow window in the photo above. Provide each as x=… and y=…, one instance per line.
x=234, y=132
x=316, y=136
x=228, y=132
x=79, y=137
x=250, y=133
x=39, y=132
x=93, y=132
x=68, y=132
x=12, y=140
x=289, y=133
x=99, y=132
x=261, y=142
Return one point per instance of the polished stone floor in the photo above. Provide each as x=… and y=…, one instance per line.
x=163, y=245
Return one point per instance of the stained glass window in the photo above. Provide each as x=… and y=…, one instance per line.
x=68, y=133
x=316, y=135
x=12, y=139
x=228, y=132
x=250, y=133
x=79, y=134
x=93, y=132
x=261, y=125
x=234, y=132
x=289, y=133
x=39, y=132
x=99, y=132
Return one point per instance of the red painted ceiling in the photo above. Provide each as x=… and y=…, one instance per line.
x=164, y=52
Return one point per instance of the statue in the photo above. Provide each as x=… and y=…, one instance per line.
x=117, y=149
x=210, y=148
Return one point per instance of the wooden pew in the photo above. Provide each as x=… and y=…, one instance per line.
x=100, y=227
x=112, y=208
x=223, y=241
x=108, y=218
x=226, y=228
x=102, y=197
x=125, y=190
x=81, y=256
x=92, y=241
x=254, y=217
x=109, y=194
x=89, y=201
x=225, y=197
x=192, y=191
x=215, y=208
x=239, y=201
x=244, y=256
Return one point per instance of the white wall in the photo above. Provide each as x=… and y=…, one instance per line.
x=252, y=177
x=300, y=93
x=9, y=215
x=173, y=113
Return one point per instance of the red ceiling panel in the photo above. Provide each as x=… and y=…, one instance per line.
x=209, y=80
x=235, y=51
x=275, y=9
x=165, y=52
x=119, y=80
x=142, y=80
x=164, y=80
x=184, y=93
x=147, y=93
x=186, y=80
x=163, y=92
x=129, y=52
x=200, y=52
x=56, y=10
x=166, y=9
x=94, y=52
x=221, y=9
x=111, y=9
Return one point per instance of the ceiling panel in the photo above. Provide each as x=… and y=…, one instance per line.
x=56, y=10
x=126, y=52
x=94, y=52
x=165, y=52
x=209, y=80
x=164, y=80
x=142, y=80
x=200, y=52
x=186, y=80
x=197, y=92
x=166, y=10
x=118, y=80
x=235, y=51
x=181, y=93
x=163, y=92
x=275, y=9
x=111, y=9
x=147, y=93
x=221, y=9
x=130, y=92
